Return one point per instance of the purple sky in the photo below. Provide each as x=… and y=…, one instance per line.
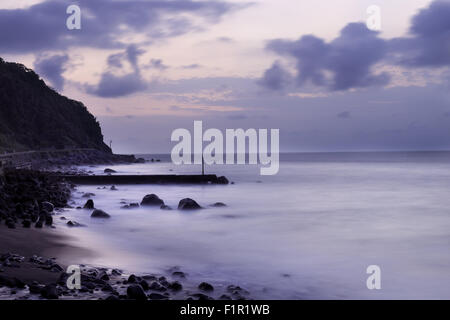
x=310, y=68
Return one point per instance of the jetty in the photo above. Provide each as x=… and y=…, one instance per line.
x=145, y=179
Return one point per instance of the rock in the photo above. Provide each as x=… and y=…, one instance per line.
x=26, y=223
x=99, y=214
x=156, y=287
x=88, y=195
x=112, y=297
x=157, y=296
x=103, y=276
x=116, y=272
x=218, y=204
x=188, y=204
x=71, y=223
x=39, y=224
x=225, y=297
x=48, y=220
x=175, y=286
x=144, y=285
x=139, y=160
x=222, y=180
x=179, y=274
x=108, y=170
x=201, y=296
x=136, y=292
x=132, y=279
x=151, y=200
x=10, y=224
x=35, y=288
x=165, y=207
x=205, y=286
x=89, y=204
x=49, y=292
x=47, y=206
x=113, y=188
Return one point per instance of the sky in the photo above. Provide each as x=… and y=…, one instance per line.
x=312, y=69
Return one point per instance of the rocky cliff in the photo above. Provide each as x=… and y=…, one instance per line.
x=35, y=117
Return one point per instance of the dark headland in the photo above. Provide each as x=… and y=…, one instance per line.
x=42, y=131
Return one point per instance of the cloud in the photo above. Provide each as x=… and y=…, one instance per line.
x=349, y=61
x=191, y=66
x=111, y=85
x=275, y=78
x=51, y=67
x=429, y=43
x=105, y=23
x=344, y=63
x=344, y=115
x=158, y=64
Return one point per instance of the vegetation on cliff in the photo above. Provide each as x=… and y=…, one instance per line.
x=35, y=117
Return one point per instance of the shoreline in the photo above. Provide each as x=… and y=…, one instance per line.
x=34, y=256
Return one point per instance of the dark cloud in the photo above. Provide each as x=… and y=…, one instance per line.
x=158, y=64
x=51, y=68
x=275, y=78
x=429, y=43
x=111, y=85
x=348, y=59
x=104, y=23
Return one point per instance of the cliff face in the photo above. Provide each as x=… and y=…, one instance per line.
x=35, y=117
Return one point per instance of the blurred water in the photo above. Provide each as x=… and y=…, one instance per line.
x=308, y=232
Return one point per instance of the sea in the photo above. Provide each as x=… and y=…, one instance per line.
x=309, y=232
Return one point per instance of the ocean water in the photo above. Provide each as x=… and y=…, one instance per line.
x=309, y=232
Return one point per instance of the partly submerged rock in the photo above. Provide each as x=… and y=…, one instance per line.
x=108, y=170
x=188, y=204
x=99, y=214
x=89, y=204
x=151, y=200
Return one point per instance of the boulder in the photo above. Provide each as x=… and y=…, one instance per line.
x=205, y=286
x=222, y=180
x=165, y=207
x=99, y=214
x=188, y=204
x=108, y=170
x=89, y=204
x=218, y=204
x=152, y=200
x=49, y=292
x=47, y=206
x=136, y=292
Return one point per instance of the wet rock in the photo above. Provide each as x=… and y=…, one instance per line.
x=131, y=206
x=188, y=204
x=155, y=286
x=39, y=224
x=132, y=279
x=175, y=286
x=10, y=224
x=49, y=292
x=218, y=204
x=144, y=285
x=157, y=296
x=108, y=170
x=99, y=214
x=205, y=286
x=136, y=292
x=116, y=272
x=113, y=188
x=88, y=195
x=71, y=223
x=35, y=288
x=165, y=207
x=151, y=200
x=47, y=206
x=222, y=180
x=48, y=220
x=201, y=296
x=89, y=204
x=225, y=297
x=26, y=223
x=179, y=274
x=112, y=297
